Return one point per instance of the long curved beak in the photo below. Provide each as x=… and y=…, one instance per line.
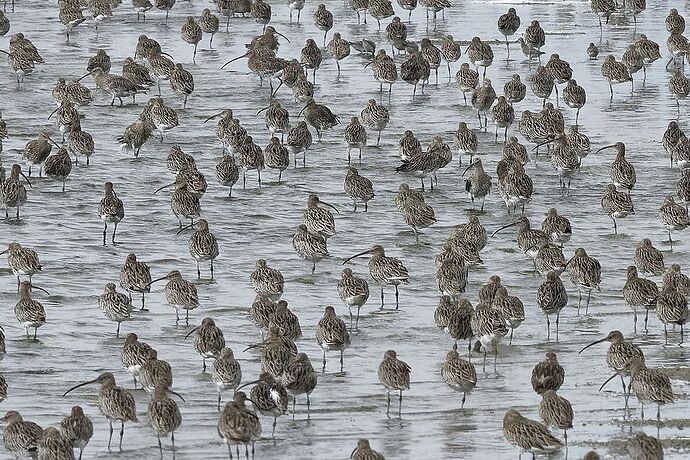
x=83, y=77
x=593, y=343
x=543, y=143
x=606, y=147
x=265, y=108
x=156, y=280
x=512, y=224
x=468, y=168
x=247, y=384
x=53, y=113
x=78, y=386
x=27, y=179
x=368, y=251
x=163, y=187
x=3, y=252
x=50, y=139
x=607, y=381
x=353, y=452
x=278, y=33
x=301, y=111
x=33, y=286
x=368, y=64
x=191, y=332
x=330, y=206
x=234, y=59
x=176, y=394
x=163, y=53
x=5, y=52
x=212, y=117
x=186, y=227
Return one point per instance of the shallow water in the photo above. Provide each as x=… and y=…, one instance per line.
x=77, y=343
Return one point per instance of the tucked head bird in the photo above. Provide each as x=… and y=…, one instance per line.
x=384, y=270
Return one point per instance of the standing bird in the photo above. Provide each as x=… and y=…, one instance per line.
x=394, y=375
x=384, y=270
x=116, y=306
x=353, y=291
x=239, y=424
x=261, y=12
x=547, y=375
x=29, y=312
x=309, y=246
x=480, y=54
x=650, y=385
x=135, y=277
x=208, y=340
x=299, y=378
x=376, y=117
x=585, y=273
x=551, y=299
x=22, y=261
x=227, y=372
x=355, y=137
x=359, y=188
x=114, y=402
x=616, y=72
x=556, y=411
x=515, y=90
x=58, y=166
x=339, y=48
x=331, y=334
x=319, y=220
x=459, y=374
x=323, y=20
x=180, y=294
x=673, y=216
x=489, y=327
x=380, y=9
x=182, y=81
x=575, y=97
x=503, y=115
x=319, y=116
x=227, y=172
x=21, y=437
x=209, y=24
x=508, y=24
x=203, y=246
x=619, y=356
x=77, y=428
x=164, y=416
x=111, y=210
x=534, y=38
x=478, y=183
x=482, y=100
x=617, y=205
x=267, y=281
x=640, y=293
x=672, y=307
x=648, y=259
x=451, y=51
x=529, y=435
x=269, y=397
x=467, y=79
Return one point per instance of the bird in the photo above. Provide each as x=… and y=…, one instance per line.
x=309, y=246
x=508, y=24
x=556, y=411
x=478, y=184
x=551, y=299
x=528, y=435
x=267, y=281
x=115, y=305
x=21, y=437
x=269, y=397
x=673, y=216
x=643, y=447
x=135, y=276
x=617, y=205
x=640, y=293
x=331, y=334
x=648, y=259
x=77, y=428
x=585, y=273
x=180, y=294
x=363, y=451
x=203, y=246
x=208, y=340
x=114, y=402
x=384, y=270
x=239, y=424
x=358, y=187
x=227, y=372
x=164, y=415
x=394, y=375
x=459, y=374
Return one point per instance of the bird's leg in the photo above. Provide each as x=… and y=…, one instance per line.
x=396, y=297
x=111, y=428
x=122, y=432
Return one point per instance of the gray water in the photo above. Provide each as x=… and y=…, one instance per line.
x=78, y=343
